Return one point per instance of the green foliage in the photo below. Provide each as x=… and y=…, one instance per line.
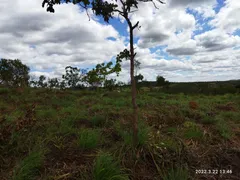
x=29, y=167
x=192, y=131
x=88, y=138
x=224, y=129
x=13, y=73
x=109, y=84
x=178, y=173
x=98, y=120
x=72, y=76
x=41, y=81
x=127, y=134
x=161, y=81
x=53, y=83
x=4, y=91
x=106, y=168
x=97, y=75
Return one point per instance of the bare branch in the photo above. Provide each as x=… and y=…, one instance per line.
x=85, y=7
x=152, y=2
x=136, y=25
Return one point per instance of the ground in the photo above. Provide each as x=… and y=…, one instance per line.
x=53, y=134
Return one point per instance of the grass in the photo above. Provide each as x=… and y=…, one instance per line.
x=106, y=168
x=30, y=166
x=88, y=138
x=178, y=173
x=75, y=125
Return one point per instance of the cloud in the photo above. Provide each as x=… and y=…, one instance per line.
x=227, y=19
x=215, y=40
x=174, y=41
x=46, y=41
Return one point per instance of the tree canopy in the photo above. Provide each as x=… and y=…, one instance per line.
x=13, y=73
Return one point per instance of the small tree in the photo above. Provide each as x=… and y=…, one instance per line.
x=97, y=76
x=107, y=10
x=53, y=83
x=72, y=76
x=42, y=81
x=13, y=73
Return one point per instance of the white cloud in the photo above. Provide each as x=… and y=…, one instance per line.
x=228, y=18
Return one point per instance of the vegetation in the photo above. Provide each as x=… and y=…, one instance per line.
x=13, y=73
x=88, y=135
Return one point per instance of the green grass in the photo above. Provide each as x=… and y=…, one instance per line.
x=88, y=138
x=98, y=120
x=176, y=174
x=75, y=125
x=224, y=129
x=106, y=168
x=30, y=166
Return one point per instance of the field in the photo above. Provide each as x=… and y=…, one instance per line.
x=53, y=134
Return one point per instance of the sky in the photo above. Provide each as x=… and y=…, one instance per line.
x=183, y=41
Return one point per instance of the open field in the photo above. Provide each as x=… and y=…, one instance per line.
x=53, y=134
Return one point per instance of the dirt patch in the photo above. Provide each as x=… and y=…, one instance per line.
x=68, y=162
x=83, y=123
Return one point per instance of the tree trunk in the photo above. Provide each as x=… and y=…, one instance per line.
x=134, y=92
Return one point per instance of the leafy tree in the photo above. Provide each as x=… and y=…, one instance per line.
x=53, y=83
x=97, y=76
x=13, y=73
x=138, y=78
x=107, y=10
x=62, y=85
x=72, y=76
x=42, y=81
x=160, y=80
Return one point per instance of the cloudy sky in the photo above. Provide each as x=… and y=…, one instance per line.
x=183, y=40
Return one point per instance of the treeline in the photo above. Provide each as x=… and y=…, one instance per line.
x=13, y=73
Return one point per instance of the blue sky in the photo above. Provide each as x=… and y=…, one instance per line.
x=182, y=40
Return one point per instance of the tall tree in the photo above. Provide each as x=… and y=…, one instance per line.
x=107, y=10
x=13, y=73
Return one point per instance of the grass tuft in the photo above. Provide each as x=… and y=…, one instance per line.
x=105, y=168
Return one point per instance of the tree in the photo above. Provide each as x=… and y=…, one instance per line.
x=107, y=10
x=136, y=66
x=41, y=82
x=53, y=83
x=72, y=76
x=97, y=76
x=13, y=73
x=160, y=80
x=109, y=84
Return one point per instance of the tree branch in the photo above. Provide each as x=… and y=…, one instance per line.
x=136, y=25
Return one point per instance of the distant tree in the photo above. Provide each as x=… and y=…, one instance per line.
x=53, y=83
x=13, y=73
x=62, y=85
x=42, y=81
x=72, y=76
x=97, y=76
x=110, y=84
x=138, y=78
x=160, y=81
